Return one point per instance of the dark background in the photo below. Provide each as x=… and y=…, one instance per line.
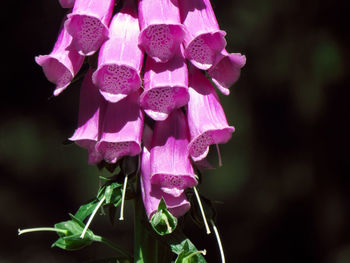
x=283, y=190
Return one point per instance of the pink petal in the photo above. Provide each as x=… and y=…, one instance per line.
x=152, y=193
x=120, y=58
x=122, y=129
x=88, y=24
x=161, y=28
x=165, y=87
x=61, y=65
x=203, y=40
x=67, y=3
x=170, y=165
x=91, y=111
x=226, y=70
x=206, y=118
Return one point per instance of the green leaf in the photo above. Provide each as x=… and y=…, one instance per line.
x=113, y=194
x=85, y=210
x=187, y=253
x=163, y=222
x=72, y=240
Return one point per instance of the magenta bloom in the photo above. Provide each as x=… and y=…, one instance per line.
x=122, y=129
x=165, y=87
x=226, y=70
x=120, y=58
x=91, y=111
x=152, y=193
x=67, y=3
x=203, y=40
x=170, y=164
x=61, y=65
x=88, y=24
x=161, y=28
x=206, y=118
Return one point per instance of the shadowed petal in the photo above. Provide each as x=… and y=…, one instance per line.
x=206, y=118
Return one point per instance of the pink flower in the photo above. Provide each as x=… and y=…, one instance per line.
x=206, y=118
x=91, y=111
x=203, y=40
x=61, y=65
x=170, y=165
x=88, y=24
x=122, y=129
x=226, y=70
x=67, y=3
x=152, y=193
x=161, y=28
x=165, y=87
x=120, y=58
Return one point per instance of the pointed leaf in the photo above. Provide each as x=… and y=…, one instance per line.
x=163, y=222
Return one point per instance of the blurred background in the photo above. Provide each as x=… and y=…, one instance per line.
x=283, y=191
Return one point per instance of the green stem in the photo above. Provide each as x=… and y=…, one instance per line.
x=112, y=245
x=146, y=247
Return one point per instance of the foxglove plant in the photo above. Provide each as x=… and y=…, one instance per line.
x=165, y=86
x=120, y=59
x=61, y=65
x=152, y=193
x=91, y=114
x=67, y=3
x=154, y=124
x=203, y=40
x=88, y=24
x=161, y=30
x=122, y=129
x=206, y=118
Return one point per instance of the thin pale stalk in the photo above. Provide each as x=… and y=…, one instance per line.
x=202, y=210
x=92, y=216
x=123, y=198
x=37, y=229
x=218, y=240
x=219, y=155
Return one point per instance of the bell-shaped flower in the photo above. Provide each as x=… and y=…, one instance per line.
x=170, y=164
x=120, y=59
x=61, y=65
x=161, y=28
x=206, y=118
x=152, y=193
x=122, y=129
x=165, y=86
x=88, y=24
x=226, y=70
x=67, y=3
x=203, y=40
x=91, y=111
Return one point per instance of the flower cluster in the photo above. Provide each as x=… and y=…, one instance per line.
x=183, y=49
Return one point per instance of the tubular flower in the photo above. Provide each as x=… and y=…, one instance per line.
x=161, y=28
x=203, y=40
x=61, y=65
x=165, y=86
x=67, y=3
x=152, y=193
x=226, y=70
x=206, y=118
x=91, y=111
x=120, y=58
x=170, y=165
x=121, y=130
x=88, y=24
